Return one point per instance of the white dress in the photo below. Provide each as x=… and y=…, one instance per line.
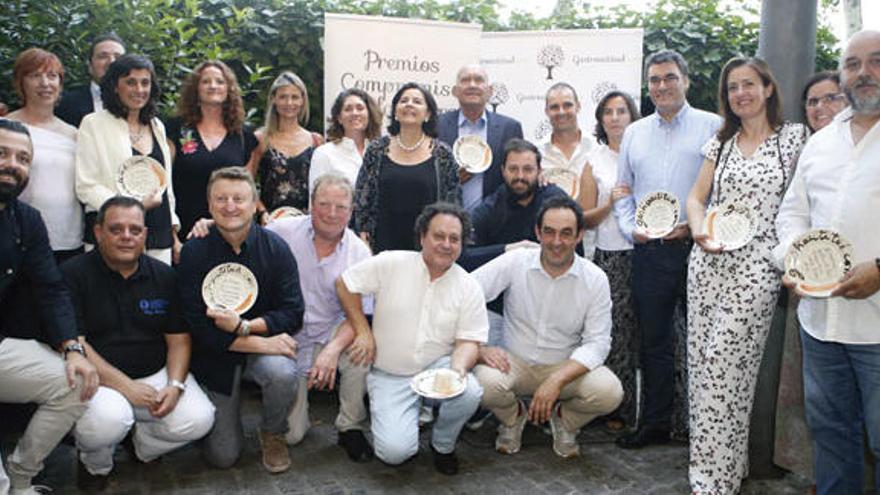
x=51, y=190
x=731, y=298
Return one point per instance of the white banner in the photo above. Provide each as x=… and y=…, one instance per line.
x=379, y=54
x=522, y=65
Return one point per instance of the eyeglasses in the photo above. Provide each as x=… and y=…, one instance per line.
x=668, y=79
x=826, y=99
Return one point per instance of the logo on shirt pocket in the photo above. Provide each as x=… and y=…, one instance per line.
x=153, y=307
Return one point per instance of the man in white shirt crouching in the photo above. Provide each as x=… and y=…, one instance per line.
x=557, y=317
x=428, y=313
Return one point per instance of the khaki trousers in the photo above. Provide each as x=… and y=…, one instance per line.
x=593, y=394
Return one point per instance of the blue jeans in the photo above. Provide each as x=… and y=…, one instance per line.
x=394, y=408
x=842, y=396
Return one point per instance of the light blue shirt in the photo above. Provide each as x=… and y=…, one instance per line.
x=658, y=155
x=472, y=190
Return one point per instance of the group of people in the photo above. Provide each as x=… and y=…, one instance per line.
x=542, y=304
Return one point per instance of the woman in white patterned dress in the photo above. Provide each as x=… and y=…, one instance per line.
x=731, y=294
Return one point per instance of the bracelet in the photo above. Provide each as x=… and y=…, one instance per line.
x=179, y=385
x=238, y=327
x=245, y=328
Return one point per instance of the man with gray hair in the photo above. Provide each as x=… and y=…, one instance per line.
x=324, y=248
x=472, y=89
x=661, y=152
x=835, y=186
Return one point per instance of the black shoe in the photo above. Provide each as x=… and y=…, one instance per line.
x=478, y=419
x=356, y=446
x=643, y=437
x=88, y=482
x=445, y=463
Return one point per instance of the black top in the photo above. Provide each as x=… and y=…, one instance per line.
x=500, y=220
x=193, y=165
x=32, y=291
x=75, y=104
x=279, y=300
x=284, y=180
x=125, y=320
x=404, y=191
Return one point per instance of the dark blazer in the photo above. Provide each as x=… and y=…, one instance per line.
x=499, y=130
x=75, y=104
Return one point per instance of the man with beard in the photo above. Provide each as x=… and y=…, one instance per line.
x=505, y=220
x=31, y=371
x=835, y=187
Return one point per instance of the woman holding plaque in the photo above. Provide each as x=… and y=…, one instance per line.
x=108, y=141
x=207, y=134
x=38, y=77
x=733, y=283
x=613, y=254
x=286, y=147
x=355, y=119
x=404, y=172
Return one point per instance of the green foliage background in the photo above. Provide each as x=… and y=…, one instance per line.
x=258, y=38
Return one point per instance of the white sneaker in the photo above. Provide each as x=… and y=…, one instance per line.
x=564, y=441
x=509, y=439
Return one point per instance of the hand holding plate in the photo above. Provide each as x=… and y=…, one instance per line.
x=680, y=231
x=639, y=236
x=224, y=319
x=152, y=200
x=707, y=244
x=860, y=282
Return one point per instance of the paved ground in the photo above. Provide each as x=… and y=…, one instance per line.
x=320, y=467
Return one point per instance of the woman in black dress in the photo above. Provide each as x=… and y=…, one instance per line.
x=286, y=147
x=207, y=134
x=404, y=172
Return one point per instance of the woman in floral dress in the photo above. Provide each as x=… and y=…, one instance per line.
x=731, y=294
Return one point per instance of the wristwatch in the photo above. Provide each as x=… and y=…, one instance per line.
x=73, y=347
x=179, y=385
x=244, y=328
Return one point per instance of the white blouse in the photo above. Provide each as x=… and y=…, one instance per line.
x=604, y=162
x=341, y=158
x=51, y=188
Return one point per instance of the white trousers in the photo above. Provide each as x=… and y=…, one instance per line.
x=110, y=416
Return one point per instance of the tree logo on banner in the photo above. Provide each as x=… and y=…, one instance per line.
x=550, y=56
x=500, y=95
x=602, y=89
x=543, y=129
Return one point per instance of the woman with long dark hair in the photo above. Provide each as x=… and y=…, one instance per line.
x=732, y=294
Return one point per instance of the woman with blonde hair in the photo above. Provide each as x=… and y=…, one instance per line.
x=286, y=147
x=208, y=133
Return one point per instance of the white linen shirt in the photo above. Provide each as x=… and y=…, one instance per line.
x=417, y=321
x=837, y=186
x=549, y=320
x=341, y=158
x=553, y=157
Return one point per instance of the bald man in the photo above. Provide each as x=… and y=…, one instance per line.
x=835, y=187
x=473, y=90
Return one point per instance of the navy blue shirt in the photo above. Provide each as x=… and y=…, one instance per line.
x=501, y=220
x=34, y=303
x=279, y=298
x=125, y=319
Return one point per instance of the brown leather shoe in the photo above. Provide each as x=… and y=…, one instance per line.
x=276, y=458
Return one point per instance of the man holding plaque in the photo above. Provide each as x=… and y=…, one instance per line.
x=835, y=188
x=553, y=355
x=30, y=370
x=661, y=152
x=128, y=310
x=242, y=301
x=324, y=248
x=472, y=89
x=429, y=320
